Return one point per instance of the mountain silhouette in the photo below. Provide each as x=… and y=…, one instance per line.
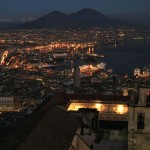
x=84, y=18
x=88, y=12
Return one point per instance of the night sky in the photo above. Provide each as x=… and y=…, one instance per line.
x=23, y=10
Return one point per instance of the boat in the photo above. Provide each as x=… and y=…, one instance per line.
x=51, y=66
x=88, y=69
x=94, y=56
x=59, y=56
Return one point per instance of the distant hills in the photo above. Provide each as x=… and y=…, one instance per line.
x=84, y=18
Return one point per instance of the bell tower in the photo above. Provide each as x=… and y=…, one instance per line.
x=139, y=122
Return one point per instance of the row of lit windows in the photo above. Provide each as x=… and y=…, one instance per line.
x=6, y=106
x=6, y=98
x=8, y=101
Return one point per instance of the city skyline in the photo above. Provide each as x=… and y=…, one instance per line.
x=76, y=78
x=24, y=10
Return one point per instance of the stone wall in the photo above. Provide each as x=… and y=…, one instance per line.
x=139, y=138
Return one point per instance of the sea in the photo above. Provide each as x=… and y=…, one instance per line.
x=125, y=58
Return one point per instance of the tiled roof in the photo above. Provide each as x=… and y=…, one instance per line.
x=47, y=128
x=54, y=132
x=102, y=98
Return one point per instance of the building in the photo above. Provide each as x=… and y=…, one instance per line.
x=146, y=72
x=137, y=72
x=77, y=77
x=9, y=104
x=139, y=122
x=79, y=144
x=121, y=122
x=52, y=127
x=104, y=119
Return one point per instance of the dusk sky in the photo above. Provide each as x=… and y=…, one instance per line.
x=131, y=10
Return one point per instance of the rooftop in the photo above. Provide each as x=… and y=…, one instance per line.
x=44, y=129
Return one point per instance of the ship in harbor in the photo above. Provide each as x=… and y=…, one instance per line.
x=59, y=55
x=50, y=66
x=88, y=70
x=94, y=56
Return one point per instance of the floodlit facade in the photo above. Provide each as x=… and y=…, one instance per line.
x=137, y=71
x=106, y=111
x=144, y=73
x=9, y=104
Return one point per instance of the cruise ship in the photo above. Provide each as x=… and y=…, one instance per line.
x=88, y=69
